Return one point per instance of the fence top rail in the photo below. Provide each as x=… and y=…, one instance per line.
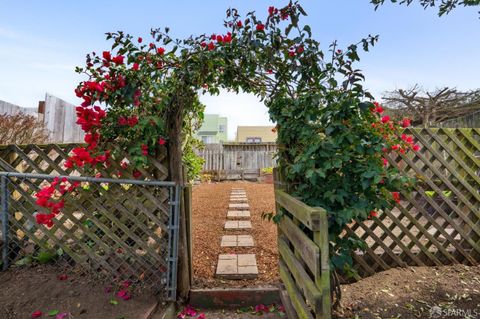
x=88, y=179
x=315, y=218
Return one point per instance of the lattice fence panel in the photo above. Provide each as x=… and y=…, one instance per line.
x=439, y=222
x=118, y=231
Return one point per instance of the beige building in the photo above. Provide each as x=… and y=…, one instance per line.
x=256, y=134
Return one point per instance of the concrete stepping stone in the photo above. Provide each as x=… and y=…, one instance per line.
x=239, y=200
x=233, y=266
x=238, y=214
x=238, y=189
x=238, y=197
x=238, y=206
x=237, y=224
x=237, y=241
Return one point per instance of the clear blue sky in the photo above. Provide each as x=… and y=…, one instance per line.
x=42, y=41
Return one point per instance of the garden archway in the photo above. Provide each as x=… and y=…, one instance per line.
x=330, y=136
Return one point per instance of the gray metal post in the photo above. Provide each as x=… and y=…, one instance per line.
x=176, y=238
x=4, y=211
x=170, y=235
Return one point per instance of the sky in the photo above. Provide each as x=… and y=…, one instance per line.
x=41, y=42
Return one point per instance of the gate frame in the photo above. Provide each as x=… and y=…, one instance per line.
x=173, y=218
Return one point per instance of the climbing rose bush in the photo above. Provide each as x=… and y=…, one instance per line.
x=335, y=144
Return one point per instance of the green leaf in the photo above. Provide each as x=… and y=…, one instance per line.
x=52, y=313
x=45, y=256
x=113, y=302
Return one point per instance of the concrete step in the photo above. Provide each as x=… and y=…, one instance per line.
x=237, y=224
x=238, y=214
x=238, y=206
x=237, y=266
x=239, y=200
x=237, y=241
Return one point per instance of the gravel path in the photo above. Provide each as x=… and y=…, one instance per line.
x=210, y=205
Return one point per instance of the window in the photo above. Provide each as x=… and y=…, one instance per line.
x=221, y=128
x=208, y=139
x=254, y=140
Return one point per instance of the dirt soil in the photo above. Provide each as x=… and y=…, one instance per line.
x=417, y=292
x=210, y=206
x=23, y=291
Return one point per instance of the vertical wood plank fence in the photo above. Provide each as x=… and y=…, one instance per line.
x=237, y=160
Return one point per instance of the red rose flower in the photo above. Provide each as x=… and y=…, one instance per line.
x=271, y=10
x=300, y=49
x=416, y=147
x=396, y=196
x=144, y=149
x=118, y=60
x=140, y=40
x=406, y=123
x=132, y=121
x=211, y=46
x=162, y=141
x=239, y=24
x=135, y=67
x=373, y=214
x=385, y=162
x=137, y=174
x=260, y=27
x=122, y=121
x=385, y=119
x=161, y=51
x=106, y=55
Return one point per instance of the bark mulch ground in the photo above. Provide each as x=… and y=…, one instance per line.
x=210, y=206
x=415, y=292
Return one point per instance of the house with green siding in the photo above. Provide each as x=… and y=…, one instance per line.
x=213, y=130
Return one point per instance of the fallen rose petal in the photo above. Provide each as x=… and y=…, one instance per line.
x=63, y=277
x=62, y=315
x=37, y=314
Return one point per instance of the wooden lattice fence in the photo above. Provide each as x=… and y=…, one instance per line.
x=120, y=231
x=439, y=222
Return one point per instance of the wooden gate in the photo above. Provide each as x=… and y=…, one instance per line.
x=304, y=257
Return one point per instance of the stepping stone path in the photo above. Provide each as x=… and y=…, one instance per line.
x=237, y=266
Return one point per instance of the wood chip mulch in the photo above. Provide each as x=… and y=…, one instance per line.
x=209, y=213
